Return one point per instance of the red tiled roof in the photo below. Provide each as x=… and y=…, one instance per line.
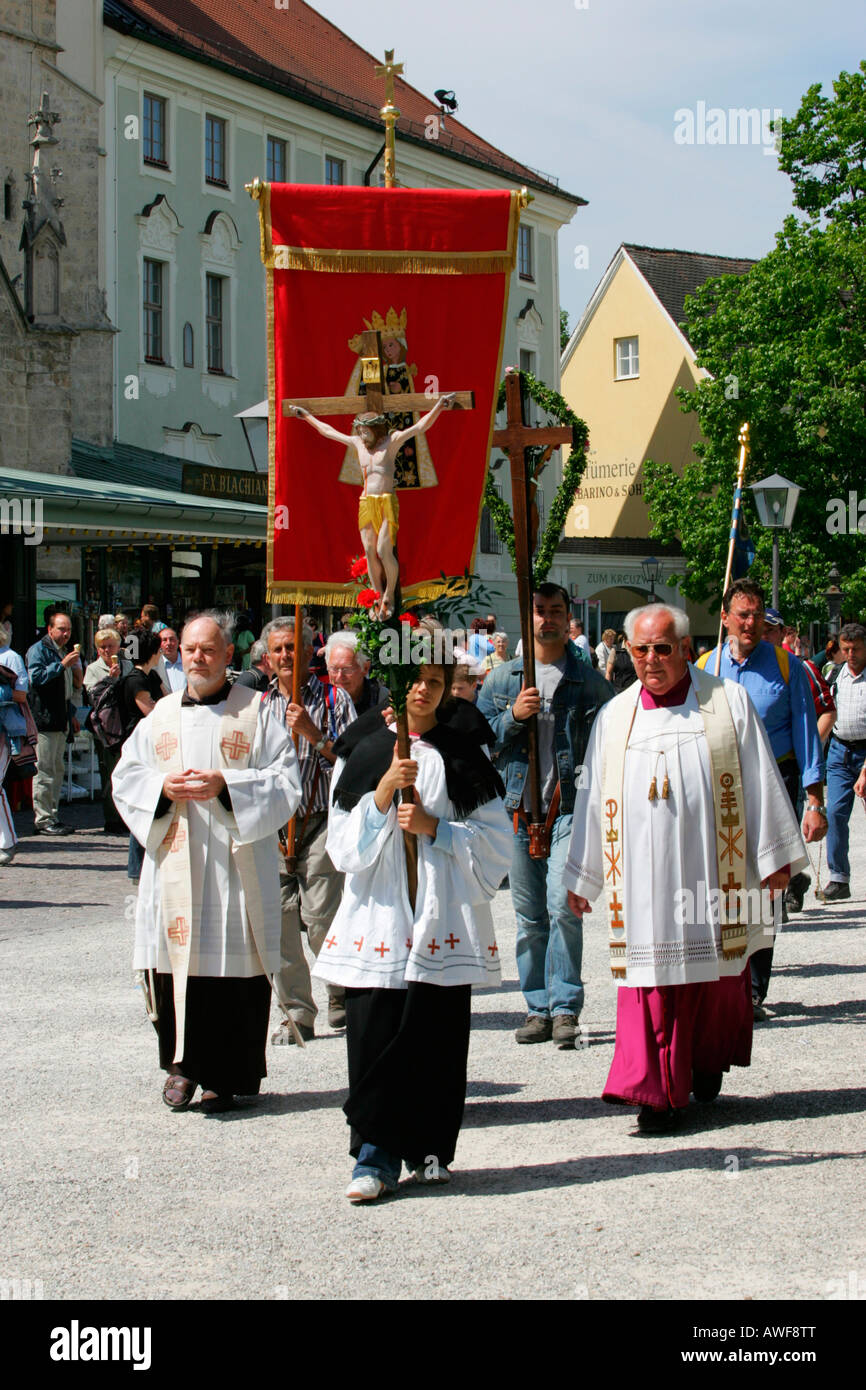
x=300, y=52
x=672, y=275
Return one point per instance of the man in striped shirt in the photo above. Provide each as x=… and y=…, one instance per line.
x=846, y=757
x=310, y=887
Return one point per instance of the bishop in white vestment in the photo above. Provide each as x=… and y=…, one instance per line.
x=204, y=783
x=682, y=830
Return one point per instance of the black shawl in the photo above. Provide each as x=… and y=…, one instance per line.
x=459, y=736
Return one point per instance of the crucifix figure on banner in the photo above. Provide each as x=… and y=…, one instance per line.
x=377, y=447
x=515, y=439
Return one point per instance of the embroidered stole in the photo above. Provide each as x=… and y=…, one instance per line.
x=728, y=809
x=237, y=731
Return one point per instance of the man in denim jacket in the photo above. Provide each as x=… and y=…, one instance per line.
x=568, y=695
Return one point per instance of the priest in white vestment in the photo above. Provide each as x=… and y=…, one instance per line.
x=685, y=834
x=204, y=783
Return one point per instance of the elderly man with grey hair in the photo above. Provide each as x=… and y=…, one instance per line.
x=310, y=887
x=347, y=665
x=258, y=674
x=684, y=832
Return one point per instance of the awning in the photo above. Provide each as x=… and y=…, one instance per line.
x=98, y=512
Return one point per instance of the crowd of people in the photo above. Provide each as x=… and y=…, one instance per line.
x=670, y=802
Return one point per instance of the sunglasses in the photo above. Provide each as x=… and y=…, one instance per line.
x=643, y=649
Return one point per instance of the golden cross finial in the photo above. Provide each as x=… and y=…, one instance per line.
x=389, y=71
x=389, y=114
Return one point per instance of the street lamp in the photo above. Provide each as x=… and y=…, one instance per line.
x=650, y=570
x=833, y=598
x=776, y=501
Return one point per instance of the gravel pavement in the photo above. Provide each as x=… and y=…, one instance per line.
x=107, y=1194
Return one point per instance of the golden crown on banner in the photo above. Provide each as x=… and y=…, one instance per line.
x=392, y=326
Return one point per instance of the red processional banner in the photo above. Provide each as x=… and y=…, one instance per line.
x=429, y=270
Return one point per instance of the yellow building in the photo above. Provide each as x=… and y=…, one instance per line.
x=620, y=371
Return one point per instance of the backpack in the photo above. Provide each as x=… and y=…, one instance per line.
x=623, y=674
x=106, y=720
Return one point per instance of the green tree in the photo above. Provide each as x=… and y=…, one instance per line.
x=564, y=330
x=823, y=149
x=786, y=348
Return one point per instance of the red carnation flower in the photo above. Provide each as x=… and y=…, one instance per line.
x=409, y=618
x=359, y=568
x=368, y=597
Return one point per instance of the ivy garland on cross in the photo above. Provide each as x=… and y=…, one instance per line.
x=500, y=512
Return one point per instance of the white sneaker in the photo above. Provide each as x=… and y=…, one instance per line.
x=365, y=1189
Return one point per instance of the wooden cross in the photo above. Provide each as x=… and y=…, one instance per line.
x=376, y=398
x=515, y=439
x=380, y=402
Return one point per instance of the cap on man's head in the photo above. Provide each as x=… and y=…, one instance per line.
x=773, y=618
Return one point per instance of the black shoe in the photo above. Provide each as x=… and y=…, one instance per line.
x=706, y=1085
x=216, y=1105
x=796, y=892
x=836, y=891
x=55, y=827
x=652, y=1121
x=759, y=1013
x=535, y=1030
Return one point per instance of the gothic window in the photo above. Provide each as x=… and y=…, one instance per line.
x=46, y=281
x=188, y=345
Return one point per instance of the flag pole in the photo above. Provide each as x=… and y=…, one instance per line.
x=743, y=441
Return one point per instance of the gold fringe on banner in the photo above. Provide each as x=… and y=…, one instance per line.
x=384, y=262
x=343, y=598
x=391, y=262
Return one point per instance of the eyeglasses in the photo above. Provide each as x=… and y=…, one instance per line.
x=340, y=670
x=643, y=649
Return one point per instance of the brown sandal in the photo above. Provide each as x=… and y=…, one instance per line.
x=182, y=1087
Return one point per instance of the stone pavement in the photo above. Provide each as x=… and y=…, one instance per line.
x=107, y=1194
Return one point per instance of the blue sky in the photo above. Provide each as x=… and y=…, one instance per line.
x=588, y=90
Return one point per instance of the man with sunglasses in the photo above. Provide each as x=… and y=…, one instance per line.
x=779, y=689
x=683, y=832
